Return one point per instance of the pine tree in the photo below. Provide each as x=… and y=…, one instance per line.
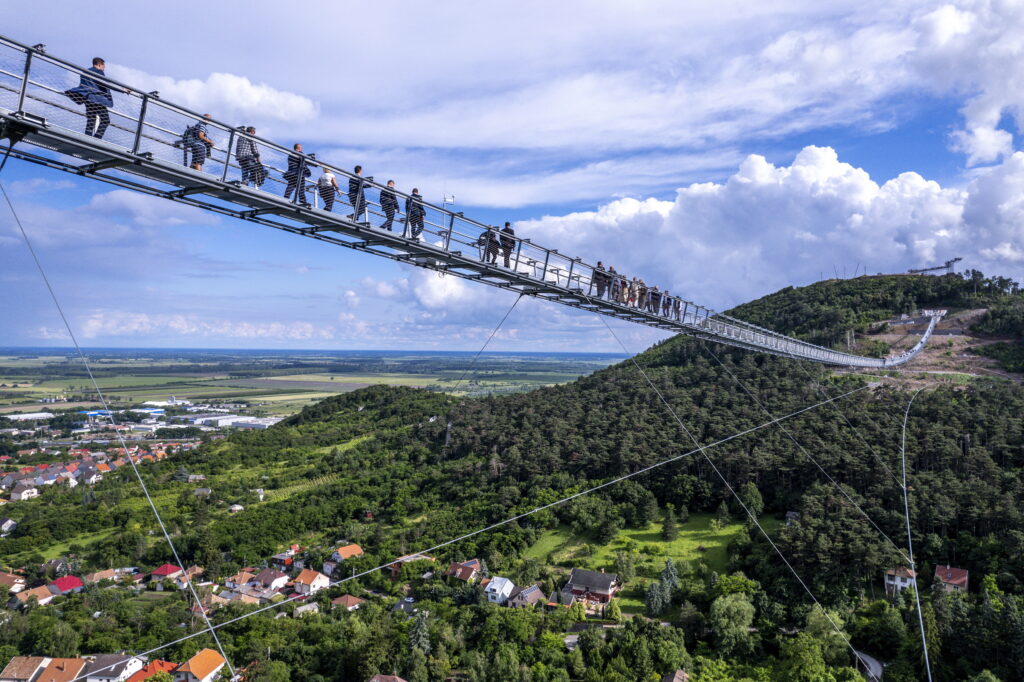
x=670, y=576
x=614, y=611
x=654, y=602
x=669, y=527
x=419, y=635
x=722, y=514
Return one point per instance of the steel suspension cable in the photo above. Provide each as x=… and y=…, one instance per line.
x=113, y=421
x=511, y=519
x=910, y=542
x=739, y=500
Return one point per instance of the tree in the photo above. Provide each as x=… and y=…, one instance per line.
x=614, y=611
x=730, y=619
x=655, y=601
x=166, y=676
x=670, y=577
x=419, y=634
x=722, y=514
x=669, y=525
x=578, y=611
x=802, y=660
x=751, y=497
x=625, y=566
x=822, y=627
x=266, y=671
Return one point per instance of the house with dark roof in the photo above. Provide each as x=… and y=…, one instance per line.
x=523, y=597
x=270, y=579
x=24, y=492
x=592, y=586
x=952, y=579
x=112, y=667
x=7, y=526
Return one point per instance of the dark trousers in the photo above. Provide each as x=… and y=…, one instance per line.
x=327, y=194
x=96, y=120
x=389, y=216
x=358, y=202
x=299, y=187
x=415, y=225
x=506, y=255
x=601, y=286
x=249, y=164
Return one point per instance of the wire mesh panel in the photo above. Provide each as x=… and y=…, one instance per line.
x=12, y=69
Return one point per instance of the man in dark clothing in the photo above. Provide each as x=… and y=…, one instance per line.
x=248, y=155
x=488, y=243
x=95, y=95
x=600, y=278
x=653, y=300
x=357, y=194
x=508, y=242
x=389, y=204
x=198, y=142
x=414, y=212
x=298, y=171
x=615, y=286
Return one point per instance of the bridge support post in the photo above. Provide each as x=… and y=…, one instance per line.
x=24, y=82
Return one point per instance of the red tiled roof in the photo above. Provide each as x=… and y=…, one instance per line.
x=67, y=583
x=951, y=576
x=62, y=670
x=347, y=601
x=166, y=570
x=349, y=551
x=902, y=572
x=307, y=576
x=152, y=668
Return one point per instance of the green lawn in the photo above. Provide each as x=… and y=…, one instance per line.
x=696, y=541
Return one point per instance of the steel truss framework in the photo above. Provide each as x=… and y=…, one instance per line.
x=143, y=153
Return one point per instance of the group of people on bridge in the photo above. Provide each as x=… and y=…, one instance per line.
x=94, y=91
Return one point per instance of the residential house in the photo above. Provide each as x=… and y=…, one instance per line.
x=66, y=585
x=406, y=606
x=24, y=492
x=23, y=668
x=498, y=590
x=952, y=579
x=347, y=602
x=235, y=508
x=202, y=492
x=152, y=668
x=112, y=667
x=306, y=609
x=90, y=476
x=62, y=670
x=396, y=566
x=286, y=560
x=191, y=574
x=523, y=597
x=7, y=527
x=270, y=579
x=899, y=579
x=208, y=603
x=593, y=586
x=57, y=567
x=13, y=582
x=466, y=571
x=42, y=594
x=196, y=478
x=311, y=582
x=203, y=667
x=341, y=554
x=108, y=574
x=165, y=572
x=243, y=577
x=386, y=678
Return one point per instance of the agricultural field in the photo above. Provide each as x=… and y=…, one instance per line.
x=271, y=383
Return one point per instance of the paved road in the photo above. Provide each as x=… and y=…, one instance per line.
x=875, y=669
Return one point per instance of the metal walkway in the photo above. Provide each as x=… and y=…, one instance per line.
x=142, y=151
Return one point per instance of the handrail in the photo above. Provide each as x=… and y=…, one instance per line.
x=549, y=268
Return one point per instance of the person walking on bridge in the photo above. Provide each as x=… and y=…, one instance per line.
x=248, y=156
x=600, y=279
x=94, y=93
x=488, y=243
x=508, y=242
x=327, y=188
x=197, y=141
x=389, y=204
x=357, y=194
x=414, y=212
x=298, y=171
x=666, y=304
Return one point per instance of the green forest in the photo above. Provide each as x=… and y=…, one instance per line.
x=401, y=470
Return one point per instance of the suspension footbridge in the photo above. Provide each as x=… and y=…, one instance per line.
x=142, y=150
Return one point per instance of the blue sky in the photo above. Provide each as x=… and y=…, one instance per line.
x=722, y=150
